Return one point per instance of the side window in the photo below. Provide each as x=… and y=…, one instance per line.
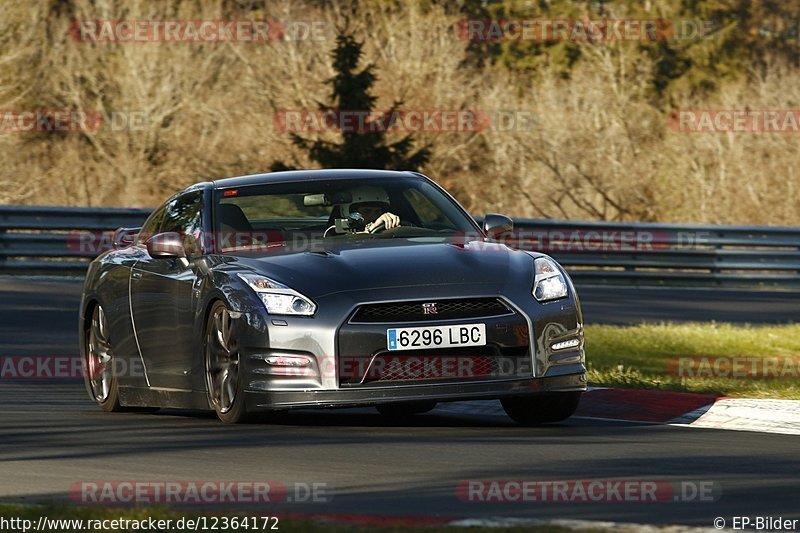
x=151, y=225
x=183, y=214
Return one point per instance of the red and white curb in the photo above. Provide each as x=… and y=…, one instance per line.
x=673, y=408
x=743, y=414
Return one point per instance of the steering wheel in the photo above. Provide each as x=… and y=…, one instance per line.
x=382, y=228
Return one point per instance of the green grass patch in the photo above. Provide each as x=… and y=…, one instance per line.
x=728, y=360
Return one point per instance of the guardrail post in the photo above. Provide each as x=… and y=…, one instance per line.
x=3, y=257
x=719, y=237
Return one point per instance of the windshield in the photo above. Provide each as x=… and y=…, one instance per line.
x=300, y=213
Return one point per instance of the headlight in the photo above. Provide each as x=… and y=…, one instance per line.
x=549, y=282
x=278, y=298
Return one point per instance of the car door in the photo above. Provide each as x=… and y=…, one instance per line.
x=163, y=302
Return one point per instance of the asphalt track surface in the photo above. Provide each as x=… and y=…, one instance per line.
x=51, y=436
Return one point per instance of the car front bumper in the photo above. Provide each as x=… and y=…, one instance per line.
x=329, y=338
x=440, y=392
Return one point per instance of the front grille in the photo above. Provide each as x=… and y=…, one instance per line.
x=406, y=368
x=416, y=366
x=424, y=310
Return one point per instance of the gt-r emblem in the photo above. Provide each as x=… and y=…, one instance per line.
x=429, y=308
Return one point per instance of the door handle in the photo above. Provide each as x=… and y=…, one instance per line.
x=136, y=275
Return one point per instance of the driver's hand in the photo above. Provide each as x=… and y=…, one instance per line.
x=388, y=220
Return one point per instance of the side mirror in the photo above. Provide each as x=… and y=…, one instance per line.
x=166, y=245
x=125, y=237
x=495, y=225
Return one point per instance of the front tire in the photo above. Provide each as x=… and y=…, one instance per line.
x=546, y=408
x=223, y=366
x=405, y=409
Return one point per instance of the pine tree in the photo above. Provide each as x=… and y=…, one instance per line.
x=366, y=147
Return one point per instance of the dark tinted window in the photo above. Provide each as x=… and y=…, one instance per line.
x=151, y=225
x=307, y=211
x=412, y=198
x=183, y=214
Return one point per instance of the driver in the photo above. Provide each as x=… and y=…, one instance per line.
x=373, y=204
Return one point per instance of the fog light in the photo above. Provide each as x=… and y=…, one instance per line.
x=286, y=360
x=566, y=344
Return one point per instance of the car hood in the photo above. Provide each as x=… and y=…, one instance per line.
x=394, y=263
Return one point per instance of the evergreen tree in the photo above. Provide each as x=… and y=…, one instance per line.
x=365, y=147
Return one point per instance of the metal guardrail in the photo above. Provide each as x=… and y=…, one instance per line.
x=652, y=254
x=62, y=240
x=58, y=240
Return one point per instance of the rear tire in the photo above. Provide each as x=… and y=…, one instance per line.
x=546, y=408
x=405, y=409
x=98, y=367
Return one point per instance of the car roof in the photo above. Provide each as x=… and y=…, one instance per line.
x=309, y=175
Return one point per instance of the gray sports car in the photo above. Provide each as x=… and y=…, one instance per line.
x=328, y=288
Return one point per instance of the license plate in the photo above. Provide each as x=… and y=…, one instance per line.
x=436, y=337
